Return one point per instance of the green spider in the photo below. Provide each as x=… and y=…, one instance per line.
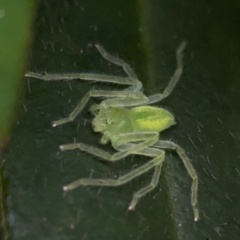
x=126, y=119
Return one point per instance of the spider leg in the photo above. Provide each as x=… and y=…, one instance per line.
x=143, y=191
x=155, y=163
x=123, y=98
x=126, y=67
x=190, y=169
x=131, y=80
x=127, y=102
x=175, y=78
x=151, y=152
x=86, y=76
x=130, y=100
x=147, y=138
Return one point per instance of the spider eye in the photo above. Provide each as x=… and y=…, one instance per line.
x=109, y=121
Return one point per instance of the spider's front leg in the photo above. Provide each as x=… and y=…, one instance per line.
x=131, y=80
x=122, y=98
x=114, y=99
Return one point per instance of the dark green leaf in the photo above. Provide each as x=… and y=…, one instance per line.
x=205, y=104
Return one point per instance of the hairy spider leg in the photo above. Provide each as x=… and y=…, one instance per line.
x=175, y=78
x=83, y=76
x=155, y=97
x=151, y=152
x=148, y=138
x=143, y=191
x=156, y=163
x=121, y=99
x=130, y=93
x=132, y=80
x=190, y=169
x=126, y=67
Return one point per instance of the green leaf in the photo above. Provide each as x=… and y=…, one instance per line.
x=15, y=20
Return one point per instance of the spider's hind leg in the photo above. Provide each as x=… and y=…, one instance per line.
x=156, y=163
x=190, y=169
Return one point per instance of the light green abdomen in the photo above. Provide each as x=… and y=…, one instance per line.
x=153, y=119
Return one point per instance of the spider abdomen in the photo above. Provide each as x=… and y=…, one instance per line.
x=148, y=118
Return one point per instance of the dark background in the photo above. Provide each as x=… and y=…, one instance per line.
x=205, y=104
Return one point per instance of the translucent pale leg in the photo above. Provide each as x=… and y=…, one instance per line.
x=126, y=67
x=147, y=138
x=123, y=99
x=83, y=76
x=133, y=96
x=143, y=191
x=175, y=78
x=132, y=99
x=190, y=169
x=150, y=152
x=132, y=80
x=156, y=162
